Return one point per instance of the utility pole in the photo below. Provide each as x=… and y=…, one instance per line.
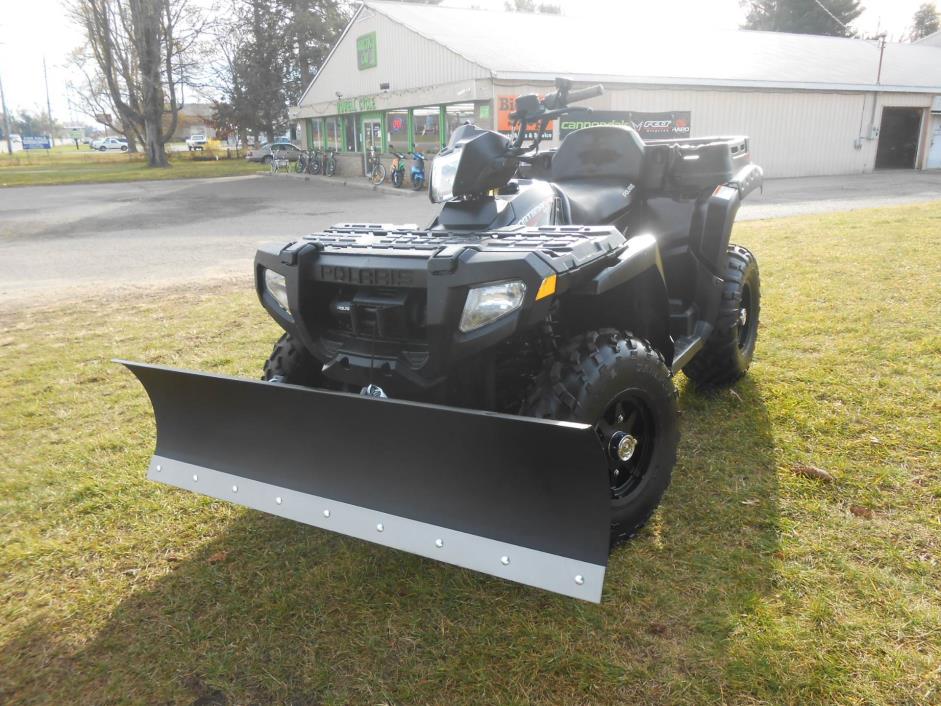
x=45, y=75
x=6, y=119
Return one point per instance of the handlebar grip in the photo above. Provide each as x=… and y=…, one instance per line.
x=585, y=93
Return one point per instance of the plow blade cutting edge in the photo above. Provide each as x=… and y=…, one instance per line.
x=520, y=498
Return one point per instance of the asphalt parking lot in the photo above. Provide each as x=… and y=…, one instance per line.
x=62, y=241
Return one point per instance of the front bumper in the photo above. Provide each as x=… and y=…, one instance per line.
x=405, y=290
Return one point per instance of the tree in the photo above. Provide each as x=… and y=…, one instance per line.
x=532, y=7
x=924, y=22
x=135, y=64
x=827, y=17
x=268, y=54
x=311, y=29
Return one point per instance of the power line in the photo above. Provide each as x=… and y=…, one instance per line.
x=835, y=18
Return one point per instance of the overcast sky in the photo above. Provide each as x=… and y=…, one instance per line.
x=30, y=30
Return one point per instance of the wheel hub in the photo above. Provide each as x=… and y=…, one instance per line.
x=623, y=446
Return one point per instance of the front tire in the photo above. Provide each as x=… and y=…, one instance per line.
x=292, y=363
x=397, y=176
x=378, y=175
x=620, y=385
x=331, y=167
x=730, y=348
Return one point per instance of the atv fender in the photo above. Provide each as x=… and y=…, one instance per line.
x=630, y=295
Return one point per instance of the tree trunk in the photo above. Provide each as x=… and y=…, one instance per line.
x=147, y=30
x=131, y=141
x=153, y=128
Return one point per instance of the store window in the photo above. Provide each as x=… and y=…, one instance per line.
x=315, y=133
x=352, y=134
x=397, y=130
x=334, y=141
x=458, y=114
x=426, y=124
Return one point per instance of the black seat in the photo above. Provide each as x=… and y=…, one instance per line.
x=596, y=169
x=595, y=201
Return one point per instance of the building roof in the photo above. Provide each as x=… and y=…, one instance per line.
x=523, y=47
x=933, y=39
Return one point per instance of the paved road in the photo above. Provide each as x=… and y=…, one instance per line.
x=57, y=241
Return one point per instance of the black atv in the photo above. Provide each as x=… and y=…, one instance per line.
x=496, y=386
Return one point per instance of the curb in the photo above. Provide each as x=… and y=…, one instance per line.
x=357, y=183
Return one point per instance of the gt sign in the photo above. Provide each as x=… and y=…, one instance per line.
x=366, y=57
x=650, y=126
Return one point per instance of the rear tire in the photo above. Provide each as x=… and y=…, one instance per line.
x=331, y=168
x=292, y=363
x=619, y=384
x=397, y=176
x=731, y=346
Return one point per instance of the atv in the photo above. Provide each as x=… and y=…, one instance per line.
x=494, y=390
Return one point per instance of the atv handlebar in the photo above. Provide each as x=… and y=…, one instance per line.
x=584, y=94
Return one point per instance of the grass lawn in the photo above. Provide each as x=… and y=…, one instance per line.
x=753, y=584
x=66, y=165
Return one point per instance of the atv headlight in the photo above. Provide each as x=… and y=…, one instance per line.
x=488, y=303
x=277, y=287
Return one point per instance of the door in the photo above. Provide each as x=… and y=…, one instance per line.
x=371, y=135
x=934, y=149
x=898, y=138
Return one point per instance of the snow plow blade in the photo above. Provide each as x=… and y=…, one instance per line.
x=520, y=498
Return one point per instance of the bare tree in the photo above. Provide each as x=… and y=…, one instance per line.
x=137, y=58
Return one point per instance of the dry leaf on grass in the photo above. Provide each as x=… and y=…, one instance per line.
x=861, y=511
x=217, y=557
x=802, y=469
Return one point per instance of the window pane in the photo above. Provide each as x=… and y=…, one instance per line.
x=333, y=133
x=349, y=124
x=397, y=130
x=457, y=115
x=316, y=138
x=426, y=125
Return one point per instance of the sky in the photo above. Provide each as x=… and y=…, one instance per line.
x=35, y=29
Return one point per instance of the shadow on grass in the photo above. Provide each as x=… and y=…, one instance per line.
x=275, y=612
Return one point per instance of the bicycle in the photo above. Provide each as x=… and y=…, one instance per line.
x=315, y=162
x=375, y=171
x=330, y=165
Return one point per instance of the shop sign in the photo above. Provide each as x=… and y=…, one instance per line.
x=364, y=104
x=366, y=56
x=505, y=106
x=650, y=126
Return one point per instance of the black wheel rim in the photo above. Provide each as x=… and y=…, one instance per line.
x=747, y=320
x=627, y=425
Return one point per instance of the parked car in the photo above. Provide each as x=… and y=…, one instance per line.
x=106, y=144
x=263, y=154
x=196, y=142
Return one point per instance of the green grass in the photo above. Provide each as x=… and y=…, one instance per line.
x=66, y=165
x=753, y=585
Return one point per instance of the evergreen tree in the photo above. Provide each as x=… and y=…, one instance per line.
x=924, y=22
x=829, y=17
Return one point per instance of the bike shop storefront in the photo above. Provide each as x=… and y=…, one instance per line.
x=356, y=129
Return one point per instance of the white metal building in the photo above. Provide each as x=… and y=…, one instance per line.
x=406, y=73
